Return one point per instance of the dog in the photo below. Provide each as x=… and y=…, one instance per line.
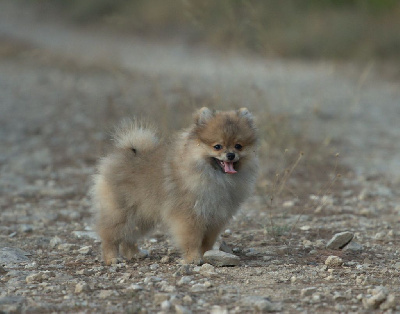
x=192, y=184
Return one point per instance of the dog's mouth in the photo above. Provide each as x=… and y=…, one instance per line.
x=226, y=166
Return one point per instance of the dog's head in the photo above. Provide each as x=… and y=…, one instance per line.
x=227, y=138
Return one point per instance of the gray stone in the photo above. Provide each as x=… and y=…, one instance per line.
x=184, y=280
x=184, y=270
x=340, y=240
x=25, y=228
x=198, y=287
x=219, y=258
x=308, y=291
x=86, y=234
x=353, y=247
x=154, y=266
x=261, y=304
x=135, y=287
x=225, y=248
x=10, y=256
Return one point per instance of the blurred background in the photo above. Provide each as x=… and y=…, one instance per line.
x=311, y=29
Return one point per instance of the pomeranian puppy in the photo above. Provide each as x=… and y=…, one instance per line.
x=193, y=184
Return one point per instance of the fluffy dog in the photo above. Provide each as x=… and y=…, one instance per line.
x=193, y=183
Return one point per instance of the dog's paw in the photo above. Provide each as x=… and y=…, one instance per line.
x=112, y=261
x=194, y=261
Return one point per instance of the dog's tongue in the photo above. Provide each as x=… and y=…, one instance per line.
x=228, y=167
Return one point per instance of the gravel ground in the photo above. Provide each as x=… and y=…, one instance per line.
x=62, y=89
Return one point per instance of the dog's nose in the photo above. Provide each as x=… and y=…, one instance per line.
x=230, y=156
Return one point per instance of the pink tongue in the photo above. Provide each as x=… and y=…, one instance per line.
x=228, y=167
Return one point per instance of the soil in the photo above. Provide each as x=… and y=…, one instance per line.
x=63, y=87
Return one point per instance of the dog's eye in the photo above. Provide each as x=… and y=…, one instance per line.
x=238, y=146
x=218, y=147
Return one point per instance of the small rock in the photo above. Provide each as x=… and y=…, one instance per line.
x=86, y=234
x=154, y=266
x=261, y=304
x=184, y=280
x=379, y=235
x=307, y=244
x=207, y=269
x=160, y=297
x=55, y=241
x=184, y=270
x=219, y=258
x=104, y=294
x=379, y=295
x=142, y=254
x=339, y=297
x=179, y=309
x=37, y=277
x=164, y=259
x=187, y=299
x=85, y=250
x=353, y=247
x=81, y=287
x=320, y=244
x=135, y=287
x=389, y=303
x=333, y=261
x=340, y=240
x=165, y=305
x=198, y=287
x=308, y=291
x=25, y=228
x=225, y=248
x=288, y=204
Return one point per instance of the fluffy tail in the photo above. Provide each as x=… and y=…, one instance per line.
x=136, y=135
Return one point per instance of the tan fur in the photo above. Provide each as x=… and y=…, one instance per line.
x=144, y=182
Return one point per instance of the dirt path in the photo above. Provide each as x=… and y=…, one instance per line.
x=62, y=87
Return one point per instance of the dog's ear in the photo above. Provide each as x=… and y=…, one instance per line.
x=203, y=115
x=245, y=113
